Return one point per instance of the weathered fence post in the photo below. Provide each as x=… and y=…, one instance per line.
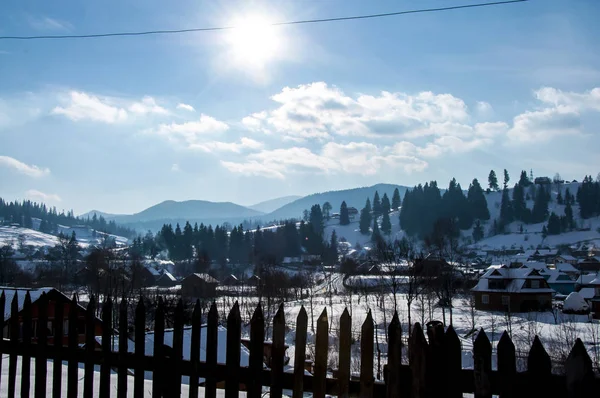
x=140, y=348
x=14, y=338
x=257, y=341
x=417, y=353
x=366, y=357
x=158, y=373
x=300, y=354
x=482, y=365
x=507, y=366
x=232, y=362
x=73, y=338
x=321, y=355
x=579, y=373
x=392, y=377
x=41, y=359
x=107, y=337
x=539, y=371
x=436, y=377
x=195, y=349
x=212, y=336
x=90, y=343
x=277, y=353
x=26, y=356
x=344, y=354
x=175, y=370
x=58, y=346
x=123, y=349
x=453, y=353
x=3, y=307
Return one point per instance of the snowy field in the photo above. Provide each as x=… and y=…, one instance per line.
x=10, y=235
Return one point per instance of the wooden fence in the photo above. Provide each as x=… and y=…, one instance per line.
x=434, y=368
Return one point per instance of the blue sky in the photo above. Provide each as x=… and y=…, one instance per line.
x=120, y=124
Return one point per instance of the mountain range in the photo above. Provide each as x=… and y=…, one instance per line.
x=207, y=212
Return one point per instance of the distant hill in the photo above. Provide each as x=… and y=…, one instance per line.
x=355, y=197
x=271, y=205
x=107, y=216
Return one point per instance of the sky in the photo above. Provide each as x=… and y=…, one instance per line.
x=258, y=112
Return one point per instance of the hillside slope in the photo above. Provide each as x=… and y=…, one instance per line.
x=354, y=198
x=271, y=205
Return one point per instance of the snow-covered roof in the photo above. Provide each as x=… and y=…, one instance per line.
x=538, y=265
x=515, y=278
x=558, y=277
x=575, y=302
x=169, y=276
x=10, y=292
x=205, y=277
x=587, y=293
x=567, y=257
x=565, y=267
x=586, y=279
x=153, y=271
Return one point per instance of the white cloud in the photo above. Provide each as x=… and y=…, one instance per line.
x=545, y=124
x=147, y=105
x=319, y=111
x=47, y=23
x=82, y=106
x=175, y=168
x=191, y=133
x=252, y=168
x=34, y=194
x=185, y=107
x=30, y=170
x=580, y=102
x=237, y=147
x=484, y=108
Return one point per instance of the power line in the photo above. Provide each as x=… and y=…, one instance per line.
x=218, y=28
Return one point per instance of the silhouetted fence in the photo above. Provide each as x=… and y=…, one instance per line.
x=434, y=368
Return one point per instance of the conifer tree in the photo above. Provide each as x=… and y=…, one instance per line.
x=376, y=235
x=344, y=216
x=396, y=202
x=365, y=218
x=385, y=204
x=506, y=211
x=376, y=205
x=477, y=202
x=477, y=231
x=386, y=224
x=553, y=227
x=506, y=179
x=493, y=181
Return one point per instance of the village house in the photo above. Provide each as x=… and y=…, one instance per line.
x=565, y=258
x=512, y=289
x=199, y=286
x=52, y=297
x=589, y=264
x=559, y=281
x=166, y=279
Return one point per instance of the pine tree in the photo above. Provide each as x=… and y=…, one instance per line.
x=506, y=211
x=333, y=248
x=344, y=217
x=377, y=210
x=506, y=179
x=569, y=216
x=524, y=180
x=520, y=210
x=316, y=220
x=477, y=202
x=385, y=204
x=559, y=198
x=553, y=227
x=396, y=202
x=376, y=235
x=540, y=205
x=477, y=231
x=493, y=181
x=386, y=224
x=365, y=218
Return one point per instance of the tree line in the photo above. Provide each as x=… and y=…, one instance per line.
x=24, y=212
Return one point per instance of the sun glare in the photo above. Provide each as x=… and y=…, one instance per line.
x=253, y=42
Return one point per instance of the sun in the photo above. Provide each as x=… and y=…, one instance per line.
x=253, y=42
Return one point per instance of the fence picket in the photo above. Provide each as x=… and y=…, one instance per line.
x=212, y=336
x=437, y=378
x=175, y=381
x=41, y=360
x=14, y=338
x=321, y=355
x=106, y=349
x=277, y=353
x=366, y=357
x=453, y=353
x=90, y=346
x=482, y=365
x=392, y=377
x=300, y=354
x=2, y=306
x=195, y=349
x=344, y=354
x=123, y=348
x=539, y=370
x=579, y=373
x=26, y=357
x=140, y=348
x=234, y=336
x=58, y=345
x=417, y=352
x=257, y=341
x=158, y=380
x=73, y=365
x=507, y=366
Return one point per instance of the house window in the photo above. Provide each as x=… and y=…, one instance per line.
x=485, y=299
x=505, y=300
x=535, y=284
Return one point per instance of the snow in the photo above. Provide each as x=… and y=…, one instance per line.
x=574, y=302
x=10, y=235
